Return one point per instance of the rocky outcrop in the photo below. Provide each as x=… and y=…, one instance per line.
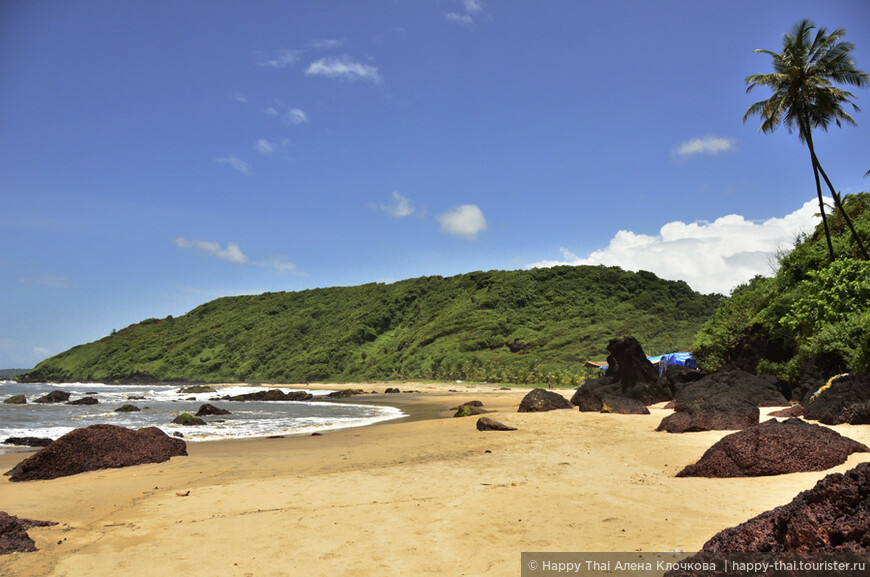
x=188, y=420
x=392, y=390
x=98, y=447
x=793, y=411
x=487, y=424
x=207, y=409
x=469, y=410
x=541, y=400
x=28, y=441
x=775, y=448
x=345, y=393
x=832, y=517
x=84, y=401
x=15, y=400
x=127, y=409
x=13, y=533
x=623, y=405
x=845, y=400
x=716, y=415
x=271, y=395
x=196, y=390
x=53, y=397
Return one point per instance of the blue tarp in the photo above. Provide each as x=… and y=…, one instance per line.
x=668, y=359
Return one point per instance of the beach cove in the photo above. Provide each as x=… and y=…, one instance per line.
x=416, y=496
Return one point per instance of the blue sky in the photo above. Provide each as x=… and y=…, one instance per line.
x=156, y=155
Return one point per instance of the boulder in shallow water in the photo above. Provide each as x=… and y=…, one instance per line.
x=28, y=441
x=271, y=395
x=13, y=533
x=15, y=400
x=208, y=409
x=127, y=409
x=345, y=393
x=196, y=390
x=775, y=448
x=53, y=397
x=188, y=420
x=98, y=447
x=84, y=401
x=541, y=400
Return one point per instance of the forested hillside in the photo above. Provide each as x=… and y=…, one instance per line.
x=499, y=326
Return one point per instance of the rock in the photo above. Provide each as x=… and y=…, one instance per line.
x=53, y=397
x=127, y=409
x=487, y=424
x=196, y=390
x=135, y=398
x=845, y=400
x=676, y=376
x=84, y=401
x=832, y=517
x=716, y=415
x=28, y=441
x=793, y=411
x=541, y=400
x=15, y=400
x=98, y=447
x=468, y=411
x=775, y=448
x=623, y=405
x=392, y=390
x=345, y=393
x=13, y=533
x=188, y=420
x=208, y=409
x=271, y=395
x=472, y=404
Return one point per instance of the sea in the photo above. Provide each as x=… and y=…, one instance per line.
x=161, y=404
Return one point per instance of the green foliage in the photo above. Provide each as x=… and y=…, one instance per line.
x=532, y=326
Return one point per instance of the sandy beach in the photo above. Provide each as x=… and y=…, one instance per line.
x=416, y=496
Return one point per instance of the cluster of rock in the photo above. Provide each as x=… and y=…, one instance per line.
x=51, y=398
x=775, y=448
x=271, y=395
x=345, y=393
x=13, y=533
x=98, y=447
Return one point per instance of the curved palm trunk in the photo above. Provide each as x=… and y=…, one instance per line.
x=809, y=140
x=839, y=204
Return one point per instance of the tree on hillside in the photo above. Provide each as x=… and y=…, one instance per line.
x=804, y=96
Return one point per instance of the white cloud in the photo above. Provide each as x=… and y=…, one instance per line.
x=271, y=111
x=280, y=264
x=466, y=220
x=344, y=67
x=236, y=163
x=706, y=145
x=232, y=252
x=470, y=9
x=327, y=43
x=296, y=116
x=280, y=59
x=264, y=147
x=710, y=256
x=399, y=207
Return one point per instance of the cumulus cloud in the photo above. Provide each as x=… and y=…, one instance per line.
x=710, y=256
x=235, y=162
x=466, y=220
x=344, y=67
x=232, y=252
x=706, y=145
x=399, y=207
x=280, y=59
x=296, y=116
x=470, y=9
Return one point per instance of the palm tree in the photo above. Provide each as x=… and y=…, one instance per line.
x=804, y=96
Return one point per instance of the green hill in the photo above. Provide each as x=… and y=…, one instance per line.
x=499, y=326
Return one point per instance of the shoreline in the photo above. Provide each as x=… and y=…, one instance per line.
x=432, y=495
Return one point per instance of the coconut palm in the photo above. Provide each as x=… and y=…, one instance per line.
x=804, y=95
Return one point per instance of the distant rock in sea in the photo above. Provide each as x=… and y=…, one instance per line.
x=28, y=441
x=84, y=401
x=15, y=400
x=271, y=395
x=98, y=447
x=53, y=397
x=207, y=409
x=188, y=420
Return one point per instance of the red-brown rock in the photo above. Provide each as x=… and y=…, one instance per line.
x=793, y=411
x=13, y=533
x=487, y=424
x=775, y=448
x=98, y=447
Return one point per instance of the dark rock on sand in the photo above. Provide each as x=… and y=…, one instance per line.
x=793, y=411
x=207, y=409
x=392, y=390
x=127, y=409
x=345, y=393
x=98, y=447
x=775, y=448
x=28, y=441
x=468, y=411
x=716, y=415
x=541, y=400
x=487, y=424
x=15, y=400
x=84, y=401
x=623, y=405
x=271, y=395
x=832, y=517
x=846, y=400
x=13, y=533
x=188, y=420
x=676, y=376
x=472, y=404
x=196, y=390
x=53, y=397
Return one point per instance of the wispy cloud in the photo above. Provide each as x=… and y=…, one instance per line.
x=235, y=162
x=232, y=252
x=344, y=67
x=466, y=220
x=46, y=280
x=296, y=116
x=328, y=43
x=706, y=145
x=271, y=111
x=710, y=256
x=466, y=15
x=400, y=206
x=280, y=59
x=264, y=147
x=280, y=264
